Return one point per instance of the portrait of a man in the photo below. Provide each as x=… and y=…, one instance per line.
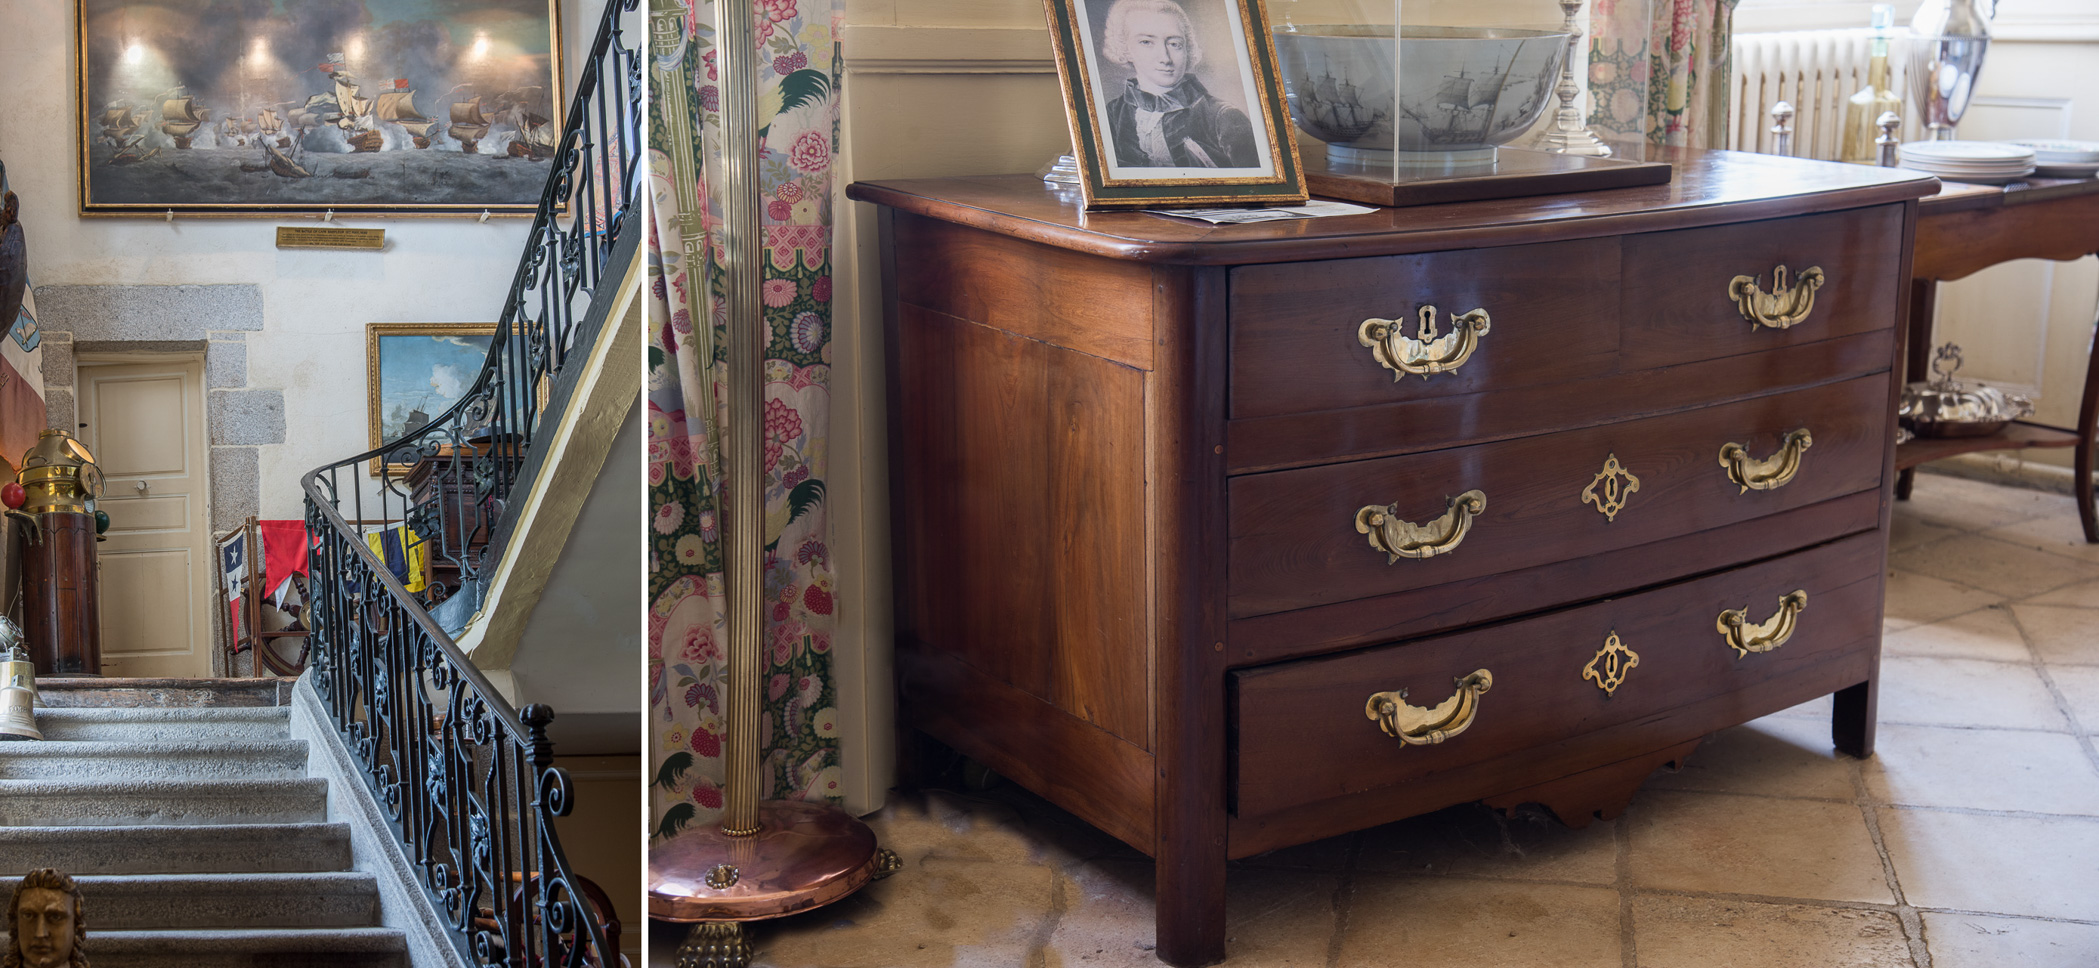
x=1165, y=117
x=47, y=927
x=1174, y=104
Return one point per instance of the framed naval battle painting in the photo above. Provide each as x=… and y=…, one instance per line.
x=414, y=372
x=1175, y=103
x=268, y=107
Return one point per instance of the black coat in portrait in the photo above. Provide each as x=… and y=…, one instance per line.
x=1200, y=130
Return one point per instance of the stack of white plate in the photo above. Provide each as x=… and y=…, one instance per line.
x=1986, y=162
x=2064, y=159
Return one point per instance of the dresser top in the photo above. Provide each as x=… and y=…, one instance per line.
x=1708, y=188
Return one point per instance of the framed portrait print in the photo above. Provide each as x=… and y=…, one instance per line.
x=416, y=371
x=1175, y=103
x=418, y=107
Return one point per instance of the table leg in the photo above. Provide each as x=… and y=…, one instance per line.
x=1916, y=342
x=2087, y=426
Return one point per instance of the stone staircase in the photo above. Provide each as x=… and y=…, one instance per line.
x=187, y=815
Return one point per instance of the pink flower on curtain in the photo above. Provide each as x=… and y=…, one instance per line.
x=777, y=292
x=777, y=9
x=782, y=424
x=820, y=290
x=811, y=152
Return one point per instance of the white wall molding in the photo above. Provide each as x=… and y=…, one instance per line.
x=887, y=49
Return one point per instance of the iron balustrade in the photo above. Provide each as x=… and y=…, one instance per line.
x=468, y=782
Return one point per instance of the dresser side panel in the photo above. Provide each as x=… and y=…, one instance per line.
x=1101, y=307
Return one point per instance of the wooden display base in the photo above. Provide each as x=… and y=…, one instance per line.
x=1514, y=173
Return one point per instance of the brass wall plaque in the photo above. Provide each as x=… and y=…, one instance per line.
x=319, y=237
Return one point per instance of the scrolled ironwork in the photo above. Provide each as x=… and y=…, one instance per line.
x=468, y=782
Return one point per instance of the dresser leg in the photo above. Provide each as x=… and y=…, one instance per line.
x=1191, y=909
x=1904, y=480
x=1857, y=712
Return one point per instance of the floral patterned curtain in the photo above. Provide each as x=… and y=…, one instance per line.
x=1658, y=70
x=687, y=386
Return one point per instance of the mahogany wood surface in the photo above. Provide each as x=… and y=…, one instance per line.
x=1278, y=636
x=1294, y=542
x=1433, y=423
x=61, y=623
x=1710, y=188
x=1283, y=711
x=1533, y=766
x=1514, y=173
x=1072, y=490
x=1041, y=458
x=1553, y=312
x=1676, y=284
x=1106, y=781
x=2018, y=433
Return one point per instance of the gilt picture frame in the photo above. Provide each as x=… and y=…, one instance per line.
x=391, y=107
x=414, y=372
x=1175, y=103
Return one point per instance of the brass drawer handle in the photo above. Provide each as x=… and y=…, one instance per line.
x=1770, y=473
x=1405, y=539
x=1766, y=635
x=1416, y=726
x=1784, y=305
x=1429, y=353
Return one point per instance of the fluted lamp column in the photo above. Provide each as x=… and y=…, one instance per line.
x=762, y=859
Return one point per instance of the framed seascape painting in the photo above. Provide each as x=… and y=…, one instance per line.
x=1175, y=103
x=279, y=106
x=414, y=372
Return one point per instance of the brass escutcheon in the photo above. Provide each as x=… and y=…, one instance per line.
x=1744, y=638
x=1429, y=353
x=1616, y=660
x=1771, y=472
x=1782, y=307
x=1399, y=538
x=1607, y=491
x=1415, y=726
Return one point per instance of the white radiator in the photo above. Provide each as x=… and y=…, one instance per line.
x=1814, y=70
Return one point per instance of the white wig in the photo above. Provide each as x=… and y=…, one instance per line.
x=1115, y=36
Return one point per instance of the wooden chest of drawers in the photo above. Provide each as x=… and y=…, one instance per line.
x=1232, y=538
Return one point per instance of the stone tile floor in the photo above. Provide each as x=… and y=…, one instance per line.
x=1971, y=840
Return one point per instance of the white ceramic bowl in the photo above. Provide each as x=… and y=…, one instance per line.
x=1465, y=89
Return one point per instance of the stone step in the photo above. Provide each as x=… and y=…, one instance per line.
x=248, y=948
x=118, y=760
x=338, y=899
x=229, y=848
x=60, y=693
x=66, y=803
x=147, y=724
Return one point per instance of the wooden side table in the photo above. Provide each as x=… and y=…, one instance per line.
x=1968, y=228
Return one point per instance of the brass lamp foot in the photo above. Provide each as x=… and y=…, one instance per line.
x=715, y=944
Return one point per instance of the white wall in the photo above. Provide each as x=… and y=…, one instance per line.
x=315, y=303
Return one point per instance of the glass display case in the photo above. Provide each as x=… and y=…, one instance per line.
x=1417, y=101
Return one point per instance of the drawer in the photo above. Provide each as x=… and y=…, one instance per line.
x=1302, y=537
x=1303, y=731
x=1677, y=284
x=1296, y=342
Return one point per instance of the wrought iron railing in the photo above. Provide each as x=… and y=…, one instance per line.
x=469, y=782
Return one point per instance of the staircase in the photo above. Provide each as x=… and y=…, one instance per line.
x=196, y=832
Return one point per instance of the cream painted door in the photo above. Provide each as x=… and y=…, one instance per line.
x=144, y=422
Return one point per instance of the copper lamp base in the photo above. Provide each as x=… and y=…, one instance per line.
x=804, y=856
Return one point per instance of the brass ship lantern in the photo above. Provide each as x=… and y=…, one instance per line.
x=54, y=499
x=59, y=474
x=17, y=686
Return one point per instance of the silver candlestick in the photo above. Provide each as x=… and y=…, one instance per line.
x=1570, y=134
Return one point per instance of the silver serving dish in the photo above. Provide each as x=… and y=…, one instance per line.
x=1945, y=407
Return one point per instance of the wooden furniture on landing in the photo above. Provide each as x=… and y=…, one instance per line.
x=1965, y=229
x=1178, y=548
